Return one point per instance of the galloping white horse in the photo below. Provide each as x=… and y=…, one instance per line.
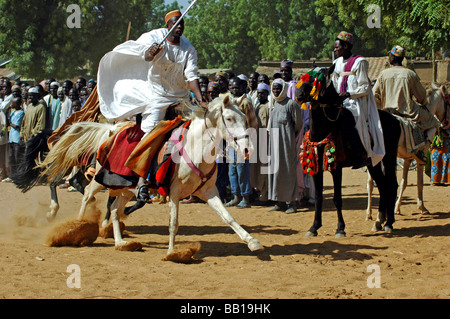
x=436, y=107
x=194, y=172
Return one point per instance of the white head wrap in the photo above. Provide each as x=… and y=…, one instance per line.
x=263, y=86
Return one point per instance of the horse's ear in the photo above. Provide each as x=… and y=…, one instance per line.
x=226, y=101
x=443, y=89
x=433, y=86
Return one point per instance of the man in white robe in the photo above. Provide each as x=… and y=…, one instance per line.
x=142, y=77
x=354, y=87
x=148, y=75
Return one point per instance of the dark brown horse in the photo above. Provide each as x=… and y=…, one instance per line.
x=329, y=121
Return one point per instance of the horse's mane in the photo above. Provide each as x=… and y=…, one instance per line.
x=199, y=112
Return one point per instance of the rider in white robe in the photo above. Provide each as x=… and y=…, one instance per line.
x=129, y=85
x=148, y=75
x=361, y=103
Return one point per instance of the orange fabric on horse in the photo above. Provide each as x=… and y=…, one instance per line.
x=141, y=157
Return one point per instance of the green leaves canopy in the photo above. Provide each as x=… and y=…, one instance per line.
x=227, y=34
x=35, y=35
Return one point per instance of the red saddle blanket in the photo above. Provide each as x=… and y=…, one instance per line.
x=114, y=152
x=129, y=154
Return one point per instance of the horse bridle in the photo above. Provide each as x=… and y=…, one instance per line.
x=234, y=138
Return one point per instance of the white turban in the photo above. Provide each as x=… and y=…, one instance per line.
x=263, y=86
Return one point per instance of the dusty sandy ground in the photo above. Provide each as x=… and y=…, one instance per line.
x=412, y=262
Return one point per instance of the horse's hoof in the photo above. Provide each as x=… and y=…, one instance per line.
x=388, y=229
x=255, y=245
x=340, y=235
x=377, y=226
x=130, y=246
x=311, y=233
x=50, y=217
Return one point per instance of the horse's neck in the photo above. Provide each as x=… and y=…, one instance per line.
x=320, y=127
x=199, y=142
x=434, y=104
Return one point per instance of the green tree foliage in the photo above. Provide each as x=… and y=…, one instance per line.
x=35, y=35
x=418, y=25
x=219, y=31
x=236, y=34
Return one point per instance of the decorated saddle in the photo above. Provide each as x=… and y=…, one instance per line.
x=128, y=155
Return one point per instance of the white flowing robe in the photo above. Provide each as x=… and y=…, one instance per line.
x=362, y=105
x=129, y=85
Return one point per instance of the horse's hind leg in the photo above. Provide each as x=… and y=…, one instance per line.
x=211, y=196
x=403, y=184
x=369, y=197
x=54, y=205
x=337, y=199
x=420, y=204
x=89, y=193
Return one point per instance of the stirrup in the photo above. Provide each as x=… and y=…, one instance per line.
x=143, y=194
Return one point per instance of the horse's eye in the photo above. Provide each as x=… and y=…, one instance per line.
x=229, y=119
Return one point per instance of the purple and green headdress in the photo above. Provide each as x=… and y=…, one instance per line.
x=318, y=82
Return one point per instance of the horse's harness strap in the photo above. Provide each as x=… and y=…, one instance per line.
x=204, y=178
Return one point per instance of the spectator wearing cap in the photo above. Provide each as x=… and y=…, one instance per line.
x=399, y=90
x=222, y=79
x=35, y=116
x=90, y=86
x=239, y=168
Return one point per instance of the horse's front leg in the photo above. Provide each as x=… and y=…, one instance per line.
x=117, y=208
x=111, y=200
x=54, y=205
x=173, y=224
x=318, y=198
x=403, y=184
x=212, y=197
x=420, y=204
x=337, y=199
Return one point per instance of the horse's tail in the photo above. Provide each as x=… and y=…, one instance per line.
x=76, y=146
x=26, y=173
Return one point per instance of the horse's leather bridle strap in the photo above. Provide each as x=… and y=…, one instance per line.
x=204, y=178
